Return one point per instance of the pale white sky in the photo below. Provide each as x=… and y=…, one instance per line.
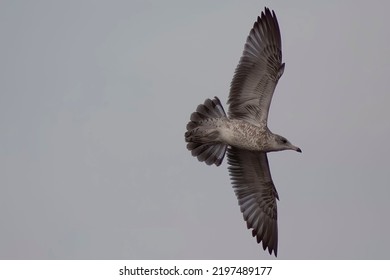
x=94, y=100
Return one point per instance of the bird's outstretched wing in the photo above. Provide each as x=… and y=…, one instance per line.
x=256, y=193
x=258, y=71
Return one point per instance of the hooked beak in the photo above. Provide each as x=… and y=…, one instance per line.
x=295, y=148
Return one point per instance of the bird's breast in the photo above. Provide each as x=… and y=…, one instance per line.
x=243, y=135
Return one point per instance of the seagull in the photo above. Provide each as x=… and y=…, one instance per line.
x=243, y=134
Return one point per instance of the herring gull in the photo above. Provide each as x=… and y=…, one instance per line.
x=244, y=133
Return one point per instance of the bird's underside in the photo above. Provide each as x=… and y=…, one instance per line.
x=244, y=134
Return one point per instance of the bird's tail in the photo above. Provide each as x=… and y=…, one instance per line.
x=202, y=135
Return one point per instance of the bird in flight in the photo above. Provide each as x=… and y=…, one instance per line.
x=243, y=134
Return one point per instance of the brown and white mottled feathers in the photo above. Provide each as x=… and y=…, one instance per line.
x=245, y=134
x=252, y=88
x=256, y=194
x=258, y=71
x=201, y=132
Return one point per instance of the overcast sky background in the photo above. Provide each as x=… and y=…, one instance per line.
x=94, y=100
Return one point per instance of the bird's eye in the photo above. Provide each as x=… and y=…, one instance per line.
x=284, y=141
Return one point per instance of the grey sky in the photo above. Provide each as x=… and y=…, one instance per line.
x=94, y=99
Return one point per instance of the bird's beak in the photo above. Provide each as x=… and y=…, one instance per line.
x=295, y=148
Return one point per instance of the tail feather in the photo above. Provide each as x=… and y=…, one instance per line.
x=211, y=109
x=201, y=136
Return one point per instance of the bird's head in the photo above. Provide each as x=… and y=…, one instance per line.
x=280, y=143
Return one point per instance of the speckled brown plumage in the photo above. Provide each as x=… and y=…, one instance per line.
x=244, y=133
